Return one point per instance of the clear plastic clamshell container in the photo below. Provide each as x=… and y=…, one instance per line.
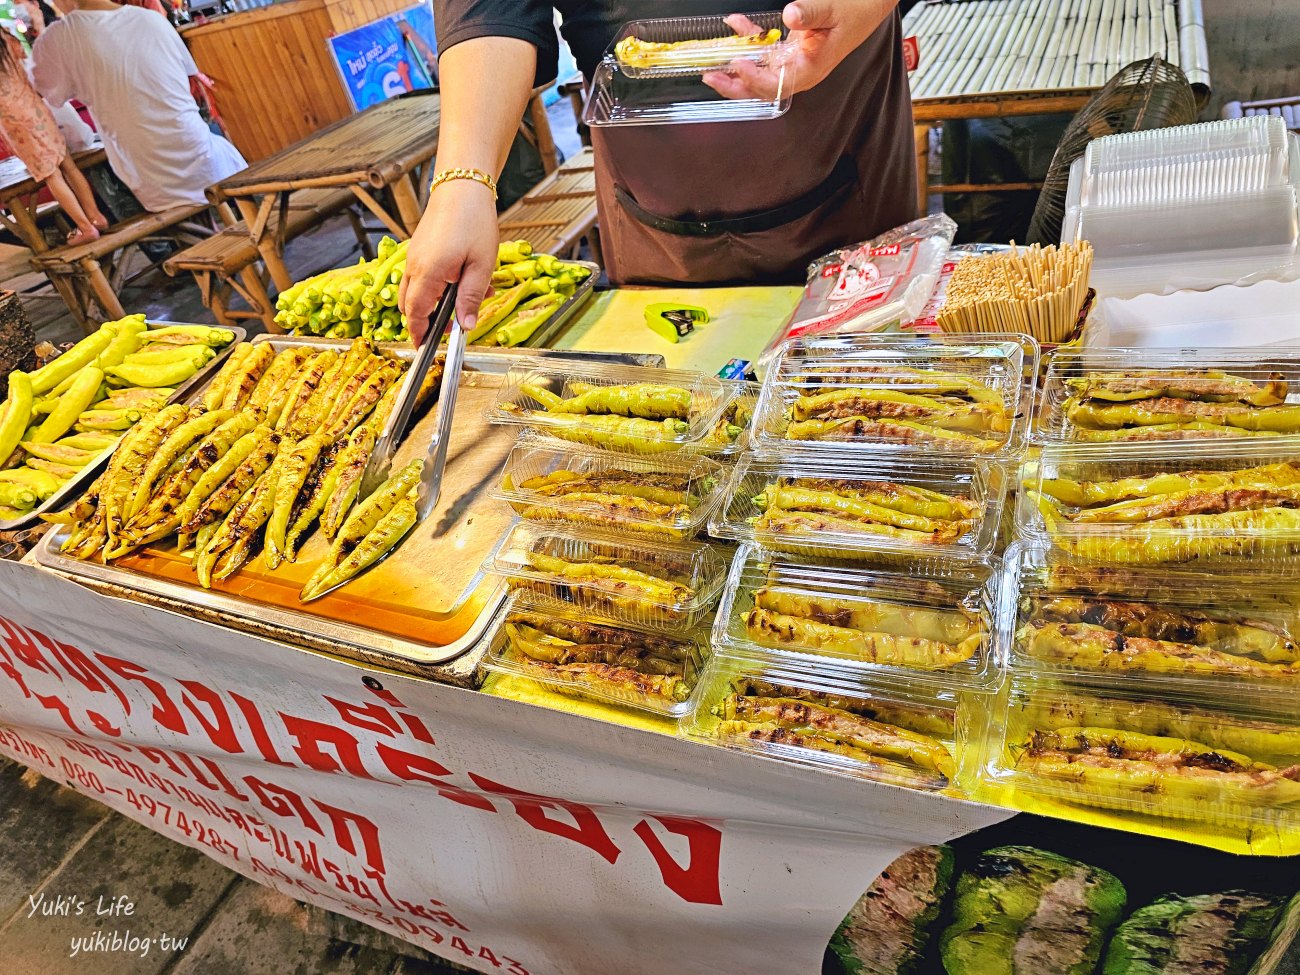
x=652, y=74
x=1189, y=207
x=1225, y=765
x=651, y=583
x=911, y=738
x=1230, y=503
x=571, y=653
x=1186, y=161
x=637, y=409
x=1119, y=395
x=933, y=621
x=853, y=507
x=665, y=495
x=962, y=395
x=1174, y=631
x=731, y=433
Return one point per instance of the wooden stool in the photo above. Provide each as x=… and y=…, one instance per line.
x=227, y=263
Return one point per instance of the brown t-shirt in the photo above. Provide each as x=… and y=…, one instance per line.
x=671, y=195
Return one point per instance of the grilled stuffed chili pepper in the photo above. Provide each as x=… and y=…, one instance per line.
x=649, y=401
x=621, y=683
x=1087, y=493
x=929, y=721
x=887, y=930
x=1019, y=910
x=1206, y=385
x=1134, y=619
x=1097, y=648
x=1110, y=764
x=857, y=428
x=900, y=497
x=872, y=616
x=782, y=632
x=1264, y=740
x=1210, y=934
x=880, y=741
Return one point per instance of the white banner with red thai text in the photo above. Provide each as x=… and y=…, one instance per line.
x=506, y=837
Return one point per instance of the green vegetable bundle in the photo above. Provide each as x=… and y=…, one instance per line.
x=362, y=299
x=62, y=417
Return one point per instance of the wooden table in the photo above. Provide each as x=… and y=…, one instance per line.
x=556, y=214
x=19, y=212
x=998, y=58
x=18, y=195
x=382, y=153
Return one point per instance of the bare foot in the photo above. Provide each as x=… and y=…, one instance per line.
x=83, y=236
x=99, y=222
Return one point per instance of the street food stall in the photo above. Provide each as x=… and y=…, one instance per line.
x=651, y=628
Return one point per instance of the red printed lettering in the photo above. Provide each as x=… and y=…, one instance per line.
x=367, y=830
x=216, y=724
x=311, y=735
x=698, y=882
x=283, y=802
x=532, y=809
x=165, y=711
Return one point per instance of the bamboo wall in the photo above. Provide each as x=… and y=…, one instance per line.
x=276, y=78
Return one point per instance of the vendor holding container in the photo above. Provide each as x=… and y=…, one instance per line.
x=753, y=200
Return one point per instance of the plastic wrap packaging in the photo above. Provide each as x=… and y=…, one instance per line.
x=649, y=583
x=571, y=653
x=731, y=433
x=862, y=507
x=933, y=394
x=1223, y=503
x=652, y=74
x=1226, y=765
x=661, y=495
x=911, y=738
x=873, y=285
x=625, y=408
x=1170, y=632
x=932, y=622
x=1120, y=395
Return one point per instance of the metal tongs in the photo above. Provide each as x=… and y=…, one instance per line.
x=381, y=459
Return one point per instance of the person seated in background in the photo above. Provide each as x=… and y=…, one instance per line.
x=29, y=129
x=130, y=67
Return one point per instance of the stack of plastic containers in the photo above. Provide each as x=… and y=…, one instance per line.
x=613, y=478
x=858, y=627
x=1153, y=604
x=1189, y=207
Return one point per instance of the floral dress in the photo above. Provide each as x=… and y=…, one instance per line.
x=26, y=124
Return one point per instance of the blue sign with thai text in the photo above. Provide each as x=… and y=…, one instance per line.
x=376, y=62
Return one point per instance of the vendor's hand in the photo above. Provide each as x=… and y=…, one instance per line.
x=822, y=34
x=456, y=241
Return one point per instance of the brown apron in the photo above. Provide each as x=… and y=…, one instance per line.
x=755, y=202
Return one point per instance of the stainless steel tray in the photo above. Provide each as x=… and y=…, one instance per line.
x=393, y=616
x=552, y=327
x=77, y=485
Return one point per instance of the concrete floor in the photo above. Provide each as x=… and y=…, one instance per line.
x=54, y=841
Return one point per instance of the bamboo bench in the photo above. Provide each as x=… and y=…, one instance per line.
x=226, y=263
x=92, y=271
x=556, y=214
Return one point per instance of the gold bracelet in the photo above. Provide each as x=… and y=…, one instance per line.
x=477, y=175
